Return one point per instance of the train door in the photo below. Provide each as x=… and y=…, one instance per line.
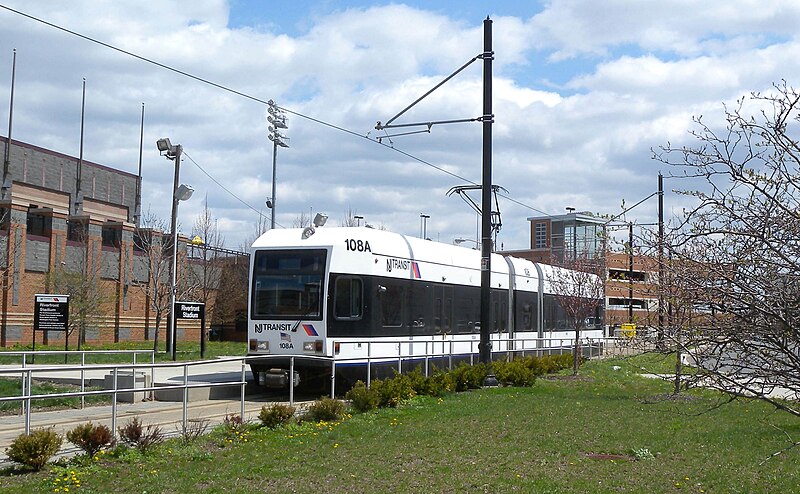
x=442, y=317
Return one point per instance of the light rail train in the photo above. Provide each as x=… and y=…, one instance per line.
x=355, y=294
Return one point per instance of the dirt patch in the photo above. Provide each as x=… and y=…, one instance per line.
x=668, y=397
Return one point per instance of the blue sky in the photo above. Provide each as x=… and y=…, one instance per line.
x=583, y=92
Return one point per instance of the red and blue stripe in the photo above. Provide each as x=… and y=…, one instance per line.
x=309, y=329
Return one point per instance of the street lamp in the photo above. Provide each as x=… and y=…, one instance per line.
x=424, y=225
x=277, y=120
x=180, y=192
x=459, y=241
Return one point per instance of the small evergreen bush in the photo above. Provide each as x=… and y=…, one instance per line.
x=438, y=384
x=394, y=391
x=276, y=415
x=91, y=438
x=362, y=398
x=515, y=373
x=468, y=376
x=135, y=434
x=325, y=409
x=34, y=450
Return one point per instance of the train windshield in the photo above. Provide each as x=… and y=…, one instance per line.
x=287, y=284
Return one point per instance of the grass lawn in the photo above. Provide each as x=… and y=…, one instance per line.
x=13, y=387
x=541, y=439
x=185, y=351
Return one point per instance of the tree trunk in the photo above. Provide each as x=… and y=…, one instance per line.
x=575, y=351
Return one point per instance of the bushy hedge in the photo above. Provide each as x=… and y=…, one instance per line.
x=276, y=415
x=91, y=438
x=394, y=391
x=34, y=450
x=325, y=409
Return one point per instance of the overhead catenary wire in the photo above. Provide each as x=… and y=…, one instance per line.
x=255, y=99
x=225, y=188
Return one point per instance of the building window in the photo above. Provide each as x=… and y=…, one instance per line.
x=39, y=224
x=541, y=235
x=77, y=230
x=112, y=236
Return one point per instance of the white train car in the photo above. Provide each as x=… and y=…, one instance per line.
x=359, y=295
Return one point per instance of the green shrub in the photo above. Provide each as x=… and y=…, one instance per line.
x=467, y=376
x=362, y=398
x=548, y=364
x=34, y=450
x=515, y=373
x=276, y=415
x=234, y=429
x=394, y=391
x=91, y=438
x=325, y=409
x=439, y=383
x=142, y=438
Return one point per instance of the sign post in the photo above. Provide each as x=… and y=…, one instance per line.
x=195, y=311
x=51, y=313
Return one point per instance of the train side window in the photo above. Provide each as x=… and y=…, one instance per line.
x=348, y=298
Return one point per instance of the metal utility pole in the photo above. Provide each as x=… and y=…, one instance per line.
x=78, y=198
x=485, y=346
x=630, y=272
x=661, y=308
x=487, y=119
x=6, y=185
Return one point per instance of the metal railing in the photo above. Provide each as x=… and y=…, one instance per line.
x=24, y=354
x=450, y=350
x=115, y=370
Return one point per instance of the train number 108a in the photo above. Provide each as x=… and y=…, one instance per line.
x=357, y=245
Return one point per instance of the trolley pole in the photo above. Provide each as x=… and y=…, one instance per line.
x=485, y=347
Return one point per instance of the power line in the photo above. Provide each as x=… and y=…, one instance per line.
x=252, y=98
x=225, y=188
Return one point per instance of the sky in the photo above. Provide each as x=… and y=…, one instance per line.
x=583, y=92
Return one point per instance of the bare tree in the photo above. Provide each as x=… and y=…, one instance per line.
x=155, y=262
x=87, y=302
x=259, y=228
x=739, y=247
x=350, y=218
x=579, y=291
x=302, y=220
x=209, y=261
x=79, y=278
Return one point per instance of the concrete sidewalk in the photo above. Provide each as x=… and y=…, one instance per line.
x=163, y=376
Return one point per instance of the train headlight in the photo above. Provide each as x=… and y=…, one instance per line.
x=313, y=346
x=259, y=346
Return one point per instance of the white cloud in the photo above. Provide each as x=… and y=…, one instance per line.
x=636, y=73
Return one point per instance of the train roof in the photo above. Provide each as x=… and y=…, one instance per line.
x=438, y=257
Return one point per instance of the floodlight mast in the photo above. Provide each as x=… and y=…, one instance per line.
x=277, y=118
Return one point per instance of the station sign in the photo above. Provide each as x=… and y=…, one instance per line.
x=51, y=312
x=190, y=310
